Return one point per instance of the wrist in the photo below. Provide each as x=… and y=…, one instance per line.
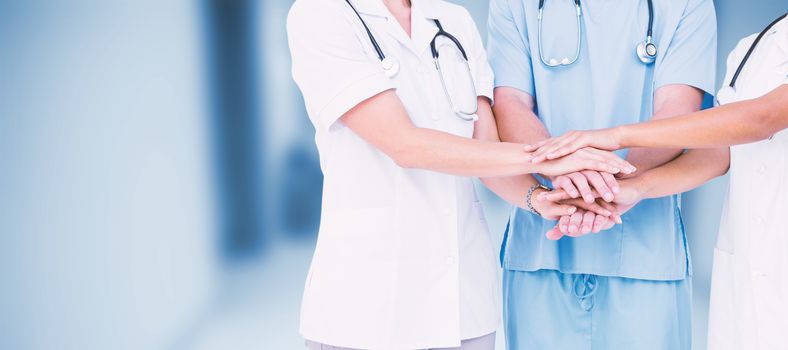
x=534, y=205
x=620, y=135
x=638, y=185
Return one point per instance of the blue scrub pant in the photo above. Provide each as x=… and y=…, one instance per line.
x=547, y=309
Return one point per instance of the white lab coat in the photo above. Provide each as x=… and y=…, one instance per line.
x=403, y=258
x=749, y=294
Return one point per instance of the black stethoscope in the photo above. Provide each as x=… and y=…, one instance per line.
x=646, y=50
x=732, y=84
x=729, y=91
x=391, y=67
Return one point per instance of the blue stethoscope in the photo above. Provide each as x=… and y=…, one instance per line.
x=646, y=50
x=465, y=110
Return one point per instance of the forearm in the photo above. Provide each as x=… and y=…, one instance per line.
x=735, y=123
x=669, y=102
x=438, y=151
x=515, y=118
x=383, y=122
x=690, y=170
x=512, y=189
x=645, y=159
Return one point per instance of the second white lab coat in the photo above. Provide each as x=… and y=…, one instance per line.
x=749, y=296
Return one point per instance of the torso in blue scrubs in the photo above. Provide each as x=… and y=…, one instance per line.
x=607, y=86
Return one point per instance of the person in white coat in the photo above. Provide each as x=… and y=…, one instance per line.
x=749, y=295
x=403, y=258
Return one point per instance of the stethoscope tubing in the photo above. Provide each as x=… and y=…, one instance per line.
x=752, y=48
x=375, y=45
x=435, y=54
x=646, y=56
x=540, y=17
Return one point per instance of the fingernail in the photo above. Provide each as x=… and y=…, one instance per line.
x=571, y=210
x=572, y=228
x=563, y=227
x=616, y=189
x=616, y=170
x=609, y=197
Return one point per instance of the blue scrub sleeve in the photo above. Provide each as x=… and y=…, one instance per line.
x=690, y=57
x=508, y=48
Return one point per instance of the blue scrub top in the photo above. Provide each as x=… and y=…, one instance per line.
x=607, y=86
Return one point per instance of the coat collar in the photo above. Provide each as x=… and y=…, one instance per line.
x=428, y=9
x=423, y=28
x=371, y=7
x=781, y=34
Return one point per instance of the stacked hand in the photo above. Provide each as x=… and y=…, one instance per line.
x=583, y=201
x=573, y=141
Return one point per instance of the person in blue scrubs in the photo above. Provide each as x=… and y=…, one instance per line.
x=627, y=287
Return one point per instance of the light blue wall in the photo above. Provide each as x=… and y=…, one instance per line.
x=106, y=228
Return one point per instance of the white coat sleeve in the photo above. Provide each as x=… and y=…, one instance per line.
x=331, y=65
x=477, y=57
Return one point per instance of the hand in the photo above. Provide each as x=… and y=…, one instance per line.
x=629, y=195
x=580, y=223
x=587, y=159
x=577, y=217
x=553, y=210
x=557, y=147
x=581, y=184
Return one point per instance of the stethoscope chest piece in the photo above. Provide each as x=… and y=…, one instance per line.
x=390, y=67
x=725, y=95
x=647, y=51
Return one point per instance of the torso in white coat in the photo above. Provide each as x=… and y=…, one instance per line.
x=403, y=257
x=749, y=297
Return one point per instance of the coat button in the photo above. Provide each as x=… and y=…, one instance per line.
x=451, y=259
x=758, y=274
x=758, y=220
x=762, y=169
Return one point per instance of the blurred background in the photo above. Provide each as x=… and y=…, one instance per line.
x=159, y=185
